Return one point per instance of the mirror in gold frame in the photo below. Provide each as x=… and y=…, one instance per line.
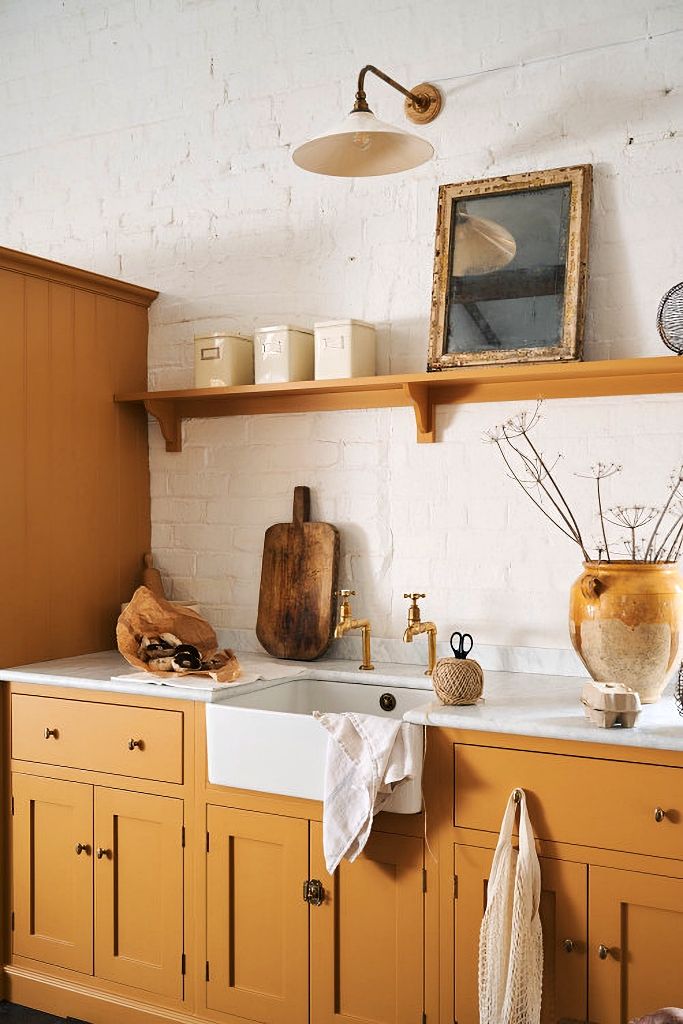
x=510, y=267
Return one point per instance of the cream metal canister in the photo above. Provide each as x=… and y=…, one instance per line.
x=221, y=360
x=344, y=348
x=283, y=354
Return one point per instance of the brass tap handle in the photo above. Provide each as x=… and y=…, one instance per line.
x=345, y=593
x=414, y=610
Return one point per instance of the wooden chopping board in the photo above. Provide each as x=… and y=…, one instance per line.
x=299, y=574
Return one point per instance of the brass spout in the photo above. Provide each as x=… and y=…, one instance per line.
x=347, y=623
x=416, y=626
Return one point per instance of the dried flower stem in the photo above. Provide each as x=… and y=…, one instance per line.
x=535, y=476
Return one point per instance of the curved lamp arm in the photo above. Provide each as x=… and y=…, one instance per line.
x=422, y=104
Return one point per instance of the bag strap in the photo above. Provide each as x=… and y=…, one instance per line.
x=504, y=846
x=527, y=849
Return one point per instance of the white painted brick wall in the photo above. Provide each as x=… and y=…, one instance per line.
x=152, y=141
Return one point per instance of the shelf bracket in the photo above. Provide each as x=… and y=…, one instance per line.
x=170, y=422
x=422, y=402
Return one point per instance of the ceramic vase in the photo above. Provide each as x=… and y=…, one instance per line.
x=625, y=623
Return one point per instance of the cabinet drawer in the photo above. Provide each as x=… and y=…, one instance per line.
x=142, y=743
x=580, y=800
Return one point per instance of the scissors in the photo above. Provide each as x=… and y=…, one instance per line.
x=464, y=644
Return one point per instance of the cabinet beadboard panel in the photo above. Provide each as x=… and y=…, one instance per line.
x=75, y=510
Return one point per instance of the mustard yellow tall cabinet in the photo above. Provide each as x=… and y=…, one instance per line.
x=75, y=508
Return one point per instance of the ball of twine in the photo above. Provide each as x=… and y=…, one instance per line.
x=458, y=680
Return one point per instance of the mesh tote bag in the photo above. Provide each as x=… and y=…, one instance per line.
x=510, y=941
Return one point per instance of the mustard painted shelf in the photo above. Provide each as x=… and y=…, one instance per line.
x=422, y=391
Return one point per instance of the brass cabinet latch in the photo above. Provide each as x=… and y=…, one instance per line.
x=314, y=893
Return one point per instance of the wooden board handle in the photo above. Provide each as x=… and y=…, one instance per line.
x=302, y=505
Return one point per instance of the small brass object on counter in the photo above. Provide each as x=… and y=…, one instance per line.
x=347, y=623
x=416, y=626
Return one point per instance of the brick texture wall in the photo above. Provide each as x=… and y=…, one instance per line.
x=152, y=141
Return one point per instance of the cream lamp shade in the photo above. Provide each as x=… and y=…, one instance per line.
x=362, y=145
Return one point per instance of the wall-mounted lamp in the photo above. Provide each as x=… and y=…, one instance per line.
x=362, y=146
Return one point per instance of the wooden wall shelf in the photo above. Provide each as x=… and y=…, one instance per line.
x=422, y=391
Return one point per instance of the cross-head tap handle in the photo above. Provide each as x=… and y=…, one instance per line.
x=414, y=610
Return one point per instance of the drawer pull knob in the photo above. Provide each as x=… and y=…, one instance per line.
x=568, y=945
x=101, y=852
x=659, y=814
x=603, y=952
x=49, y=732
x=82, y=848
x=132, y=744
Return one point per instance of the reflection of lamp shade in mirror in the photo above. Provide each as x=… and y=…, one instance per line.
x=480, y=246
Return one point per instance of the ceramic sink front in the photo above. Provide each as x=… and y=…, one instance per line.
x=268, y=740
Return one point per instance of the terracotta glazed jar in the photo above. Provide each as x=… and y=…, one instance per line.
x=625, y=622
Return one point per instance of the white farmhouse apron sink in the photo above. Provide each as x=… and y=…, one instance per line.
x=267, y=740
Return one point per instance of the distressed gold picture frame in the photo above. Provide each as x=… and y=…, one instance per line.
x=510, y=268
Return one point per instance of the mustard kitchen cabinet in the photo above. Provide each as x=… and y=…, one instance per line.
x=636, y=930
x=563, y=918
x=351, y=952
x=610, y=839
x=78, y=464
x=98, y=852
x=98, y=881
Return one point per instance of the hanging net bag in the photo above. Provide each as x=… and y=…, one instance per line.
x=510, y=941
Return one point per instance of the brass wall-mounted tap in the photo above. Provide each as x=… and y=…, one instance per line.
x=416, y=626
x=347, y=622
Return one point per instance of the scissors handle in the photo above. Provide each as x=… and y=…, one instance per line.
x=464, y=644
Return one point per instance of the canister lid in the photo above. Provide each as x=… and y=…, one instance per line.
x=342, y=323
x=282, y=327
x=220, y=335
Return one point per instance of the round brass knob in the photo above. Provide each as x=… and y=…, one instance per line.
x=49, y=732
x=568, y=945
x=82, y=848
x=101, y=852
x=659, y=814
x=132, y=744
x=603, y=952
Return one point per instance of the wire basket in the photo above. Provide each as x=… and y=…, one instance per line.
x=678, y=692
x=670, y=319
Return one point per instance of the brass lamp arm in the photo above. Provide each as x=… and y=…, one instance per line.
x=424, y=101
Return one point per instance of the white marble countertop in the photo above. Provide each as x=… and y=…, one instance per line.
x=526, y=704
x=514, y=703
x=108, y=671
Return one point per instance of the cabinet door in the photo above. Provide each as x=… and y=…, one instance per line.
x=367, y=936
x=139, y=890
x=257, y=920
x=637, y=919
x=563, y=920
x=52, y=871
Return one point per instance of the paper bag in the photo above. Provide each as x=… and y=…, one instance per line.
x=149, y=615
